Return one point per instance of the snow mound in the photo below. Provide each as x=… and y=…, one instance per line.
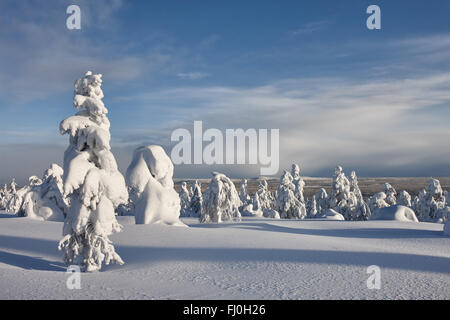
x=397, y=212
x=149, y=178
x=447, y=228
x=332, y=214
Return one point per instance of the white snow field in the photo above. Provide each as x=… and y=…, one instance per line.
x=257, y=258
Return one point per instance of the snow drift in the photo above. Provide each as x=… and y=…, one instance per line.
x=396, y=212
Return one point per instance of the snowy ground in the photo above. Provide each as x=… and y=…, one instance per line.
x=255, y=259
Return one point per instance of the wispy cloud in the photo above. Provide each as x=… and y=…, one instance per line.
x=310, y=27
x=192, y=75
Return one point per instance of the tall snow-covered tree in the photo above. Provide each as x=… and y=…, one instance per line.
x=221, y=201
x=298, y=183
x=288, y=206
x=150, y=178
x=340, y=197
x=243, y=193
x=196, y=200
x=359, y=210
x=185, y=200
x=92, y=182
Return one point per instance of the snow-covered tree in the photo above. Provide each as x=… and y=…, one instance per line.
x=322, y=202
x=266, y=198
x=359, y=210
x=311, y=207
x=340, y=198
x=92, y=182
x=45, y=201
x=390, y=194
x=377, y=201
x=243, y=192
x=196, y=200
x=152, y=192
x=298, y=183
x=185, y=200
x=431, y=203
x=404, y=199
x=221, y=201
x=5, y=195
x=288, y=206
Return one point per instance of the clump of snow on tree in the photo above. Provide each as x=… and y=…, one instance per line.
x=395, y=212
x=152, y=193
x=288, y=206
x=91, y=181
x=221, y=201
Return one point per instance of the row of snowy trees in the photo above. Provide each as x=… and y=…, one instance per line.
x=344, y=201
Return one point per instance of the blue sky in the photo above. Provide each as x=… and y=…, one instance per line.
x=374, y=101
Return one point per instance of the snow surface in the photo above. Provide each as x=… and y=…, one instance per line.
x=257, y=258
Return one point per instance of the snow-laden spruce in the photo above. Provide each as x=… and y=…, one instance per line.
x=150, y=179
x=195, y=206
x=221, y=201
x=91, y=182
x=44, y=199
x=185, y=200
x=359, y=210
x=377, y=201
x=340, y=193
x=266, y=197
x=288, y=206
x=243, y=192
x=431, y=205
x=404, y=199
x=322, y=203
x=391, y=194
x=311, y=207
x=298, y=183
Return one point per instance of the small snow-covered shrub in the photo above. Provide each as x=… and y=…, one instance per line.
x=331, y=214
x=149, y=177
x=91, y=181
x=288, y=206
x=221, y=201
